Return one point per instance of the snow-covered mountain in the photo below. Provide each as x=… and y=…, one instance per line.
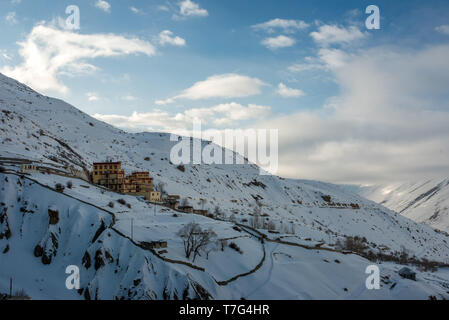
x=42, y=231
x=424, y=201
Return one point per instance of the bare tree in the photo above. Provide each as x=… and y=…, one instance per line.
x=213, y=246
x=161, y=187
x=403, y=255
x=197, y=240
x=255, y=220
x=223, y=244
x=202, y=203
x=292, y=228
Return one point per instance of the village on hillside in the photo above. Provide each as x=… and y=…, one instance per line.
x=109, y=174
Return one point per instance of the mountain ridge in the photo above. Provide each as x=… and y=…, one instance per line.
x=311, y=214
x=422, y=201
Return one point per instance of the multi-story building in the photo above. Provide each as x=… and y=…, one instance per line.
x=142, y=181
x=101, y=170
x=111, y=175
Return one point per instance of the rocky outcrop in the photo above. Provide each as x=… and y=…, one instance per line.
x=5, y=230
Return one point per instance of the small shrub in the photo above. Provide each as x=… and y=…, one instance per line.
x=271, y=226
x=235, y=247
x=181, y=168
x=121, y=201
x=147, y=159
x=69, y=184
x=355, y=206
x=2, y=169
x=111, y=204
x=354, y=244
x=59, y=187
x=128, y=205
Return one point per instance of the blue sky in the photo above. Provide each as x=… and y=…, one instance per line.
x=237, y=64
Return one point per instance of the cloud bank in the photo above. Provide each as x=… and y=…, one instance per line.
x=225, y=114
x=386, y=125
x=48, y=53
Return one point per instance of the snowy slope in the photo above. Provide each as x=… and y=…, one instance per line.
x=47, y=130
x=126, y=271
x=423, y=201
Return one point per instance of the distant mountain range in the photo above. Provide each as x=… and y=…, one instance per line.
x=423, y=201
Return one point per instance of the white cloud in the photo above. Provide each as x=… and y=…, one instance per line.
x=333, y=58
x=164, y=102
x=5, y=55
x=92, y=96
x=301, y=67
x=287, y=92
x=236, y=112
x=332, y=34
x=129, y=98
x=162, y=8
x=11, y=18
x=16, y=1
x=444, y=29
x=166, y=37
x=228, y=85
x=386, y=125
x=278, y=42
x=48, y=52
x=136, y=10
x=188, y=8
x=227, y=114
x=326, y=60
x=287, y=26
x=103, y=5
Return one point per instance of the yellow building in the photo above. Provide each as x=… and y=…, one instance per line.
x=154, y=196
x=142, y=181
x=28, y=167
x=112, y=176
x=102, y=170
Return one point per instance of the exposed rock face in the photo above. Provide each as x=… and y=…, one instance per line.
x=99, y=260
x=38, y=251
x=86, y=260
x=53, y=216
x=5, y=231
